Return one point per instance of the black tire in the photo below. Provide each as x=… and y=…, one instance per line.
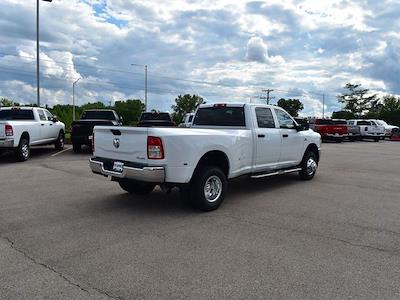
x=215, y=179
x=59, y=144
x=377, y=140
x=23, y=151
x=76, y=147
x=308, y=168
x=136, y=187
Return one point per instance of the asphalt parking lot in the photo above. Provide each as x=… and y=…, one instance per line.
x=66, y=233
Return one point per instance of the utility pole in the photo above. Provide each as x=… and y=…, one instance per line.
x=37, y=52
x=145, y=87
x=323, y=106
x=268, y=97
x=145, y=84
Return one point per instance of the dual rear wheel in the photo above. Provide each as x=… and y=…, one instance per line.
x=209, y=184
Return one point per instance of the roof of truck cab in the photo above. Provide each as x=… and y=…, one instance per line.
x=236, y=104
x=21, y=107
x=98, y=109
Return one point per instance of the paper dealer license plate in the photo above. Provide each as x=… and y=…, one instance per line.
x=118, y=166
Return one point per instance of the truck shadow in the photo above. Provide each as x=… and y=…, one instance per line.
x=8, y=157
x=241, y=190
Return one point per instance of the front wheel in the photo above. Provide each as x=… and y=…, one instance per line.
x=136, y=187
x=22, y=153
x=208, y=188
x=308, y=166
x=59, y=144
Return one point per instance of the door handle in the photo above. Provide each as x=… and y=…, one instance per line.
x=285, y=135
x=42, y=124
x=261, y=135
x=51, y=124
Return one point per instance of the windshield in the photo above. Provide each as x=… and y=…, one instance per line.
x=155, y=116
x=98, y=115
x=220, y=116
x=380, y=122
x=16, y=114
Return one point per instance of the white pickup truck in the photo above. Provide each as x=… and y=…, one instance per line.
x=224, y=142
x=369, y=129
x=22, y=127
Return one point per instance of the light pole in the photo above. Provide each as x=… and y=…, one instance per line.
x=145, y=84
x=37, y=51
x=73, y=97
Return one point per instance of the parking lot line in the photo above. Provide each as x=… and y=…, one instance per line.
x=62, y=151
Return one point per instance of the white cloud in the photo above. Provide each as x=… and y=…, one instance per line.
x=239, y=47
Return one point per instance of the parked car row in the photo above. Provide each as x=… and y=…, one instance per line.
x=357, y=129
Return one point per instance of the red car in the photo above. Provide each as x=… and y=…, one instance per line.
x=330, y=129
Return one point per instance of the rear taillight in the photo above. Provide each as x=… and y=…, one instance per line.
x=155, y=149
x=9, y=130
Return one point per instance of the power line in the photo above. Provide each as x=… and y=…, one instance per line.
x=156, y=75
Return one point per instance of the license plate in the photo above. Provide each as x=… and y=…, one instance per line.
x=118, y=166
x=336, y=134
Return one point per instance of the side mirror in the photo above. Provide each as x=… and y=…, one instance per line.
x=302, y=127
x=55, y=119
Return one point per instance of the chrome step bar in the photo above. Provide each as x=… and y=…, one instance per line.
x=279, y=172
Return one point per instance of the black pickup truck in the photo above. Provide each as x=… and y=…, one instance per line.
x=82, y=130
x=155, y=119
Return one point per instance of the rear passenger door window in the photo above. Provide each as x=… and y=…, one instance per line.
x=265, y=119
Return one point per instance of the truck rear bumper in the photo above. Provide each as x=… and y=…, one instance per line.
x=7, y=143
x=145, y=173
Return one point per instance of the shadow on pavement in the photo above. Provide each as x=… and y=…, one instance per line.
x=36, y=152
x=159, y=202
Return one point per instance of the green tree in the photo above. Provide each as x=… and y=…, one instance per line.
x=358, y=100
x=185, y=104
x=130, y=110
x=6, y=102
x=94, y=105
x=343, y=114
x=292, y=106
x=390, y=110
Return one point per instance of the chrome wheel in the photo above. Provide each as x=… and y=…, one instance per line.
x=25, y=150
x=311, y=166
x=61, y=141
x=213, y=188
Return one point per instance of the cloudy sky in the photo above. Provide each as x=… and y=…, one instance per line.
x=220, y=50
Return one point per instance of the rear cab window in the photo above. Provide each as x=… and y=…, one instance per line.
x=155, y=116
x=98, y=115
x=339, y=122
x=367, y=123
x=220, y=115
x=16, y=114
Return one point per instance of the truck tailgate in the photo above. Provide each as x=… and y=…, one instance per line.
x=121, y=143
